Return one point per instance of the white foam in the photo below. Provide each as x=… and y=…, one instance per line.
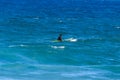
x=71, y=40
x=22, y=45
x=56, y=47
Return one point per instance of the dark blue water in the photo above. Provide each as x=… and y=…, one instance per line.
x=91, y=40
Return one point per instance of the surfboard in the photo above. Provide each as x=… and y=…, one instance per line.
x=66, y=40
x=56, y=41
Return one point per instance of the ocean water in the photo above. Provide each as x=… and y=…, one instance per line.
x=91, y=40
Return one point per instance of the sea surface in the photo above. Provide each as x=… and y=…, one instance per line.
x=91, y=40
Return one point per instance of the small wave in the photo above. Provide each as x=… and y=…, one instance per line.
x=71, y=40
x=21, y=45
x=56, y=47
x=36, y=18
x=4, y=78
x=118, y=27
x=79, y=74
x=90, y=38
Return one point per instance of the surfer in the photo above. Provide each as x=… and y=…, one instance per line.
x=59, y=37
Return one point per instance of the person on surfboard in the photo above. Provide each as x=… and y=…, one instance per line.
x=59, y=37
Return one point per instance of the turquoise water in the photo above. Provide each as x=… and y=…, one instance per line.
x=91, y=34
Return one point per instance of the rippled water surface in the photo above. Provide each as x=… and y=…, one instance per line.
x=91, y=40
